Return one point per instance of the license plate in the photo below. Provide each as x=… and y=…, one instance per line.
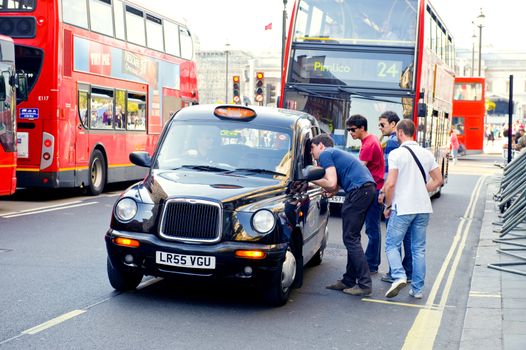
x=337, y=199
x=182, y=260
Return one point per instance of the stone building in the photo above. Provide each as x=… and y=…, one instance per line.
x=215, y=71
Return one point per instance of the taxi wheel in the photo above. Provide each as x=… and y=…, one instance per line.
x=277, y=294
x=122, y=281
x=97, y=173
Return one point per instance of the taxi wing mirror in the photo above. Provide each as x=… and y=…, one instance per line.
x=141, y=159
x=311, y=173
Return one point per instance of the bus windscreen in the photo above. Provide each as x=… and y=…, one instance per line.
x=365, y=22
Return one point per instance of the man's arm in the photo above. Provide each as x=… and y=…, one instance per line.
x=330, y=181
x=436, y=180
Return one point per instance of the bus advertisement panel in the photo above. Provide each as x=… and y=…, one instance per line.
x=98, y=90
x=367, y=57
x=468, y=112
x=7, y=117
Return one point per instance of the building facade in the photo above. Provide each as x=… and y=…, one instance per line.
x=215, y=71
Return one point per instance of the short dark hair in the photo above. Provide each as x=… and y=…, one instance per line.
x=357, y=120
x=390, y=116
x=324, y=139
x=407, y=126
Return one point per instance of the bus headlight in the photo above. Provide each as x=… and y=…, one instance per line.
x=263, y=221
x=125, y=209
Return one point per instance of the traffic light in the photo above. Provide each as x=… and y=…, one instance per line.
x=235, y=88
x=271, y=94
x=260, y=77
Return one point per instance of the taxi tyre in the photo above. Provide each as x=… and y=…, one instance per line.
x=97, y=173
x=122, y=280
x=277, y=294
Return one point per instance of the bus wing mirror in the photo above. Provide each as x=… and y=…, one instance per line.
x=422, y=110
x=141, y=159
x=2, y=88
x=21, y=87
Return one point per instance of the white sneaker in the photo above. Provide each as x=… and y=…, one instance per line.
x=396, y=287
x=417, y=295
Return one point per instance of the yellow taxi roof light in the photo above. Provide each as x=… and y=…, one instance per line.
x=234, y=112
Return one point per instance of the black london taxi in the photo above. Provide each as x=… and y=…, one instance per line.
x=228, y=195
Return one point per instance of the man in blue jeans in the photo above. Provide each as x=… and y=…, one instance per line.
x=407, y=205
x=387, y=124
x=343, y=170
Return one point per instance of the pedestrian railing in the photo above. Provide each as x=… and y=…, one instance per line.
x=511, y=202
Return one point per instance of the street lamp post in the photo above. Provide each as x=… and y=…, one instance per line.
x=473, y=53
x=480, y=23
x=226, y=72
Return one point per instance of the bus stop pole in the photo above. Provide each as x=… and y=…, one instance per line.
x=510, y=120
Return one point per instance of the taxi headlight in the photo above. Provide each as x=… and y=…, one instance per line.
x=263, y=221
x=125, y=209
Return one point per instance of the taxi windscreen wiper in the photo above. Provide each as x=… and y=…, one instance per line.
x=260, y=171
x=202, y=167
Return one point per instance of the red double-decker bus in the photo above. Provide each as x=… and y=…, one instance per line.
x=468, y=112
x=7, y=117
x=366, y=57
x=104, y=76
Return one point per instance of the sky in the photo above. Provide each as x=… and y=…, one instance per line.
x=241, y=23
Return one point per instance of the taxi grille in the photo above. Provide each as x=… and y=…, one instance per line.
x=191, y=221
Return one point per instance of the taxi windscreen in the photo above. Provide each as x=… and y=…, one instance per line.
x=228, y=145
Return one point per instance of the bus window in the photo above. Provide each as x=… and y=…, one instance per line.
x=136, y=109
x=101, y=109
x=75, y=12
x=135, y=26
x=101, y=17
x=118, y=10
x=120, y=111
x=186, y=44
x=83, y=108
x=154, y=33
x=171, y=38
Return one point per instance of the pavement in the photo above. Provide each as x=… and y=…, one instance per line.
x=496, y=308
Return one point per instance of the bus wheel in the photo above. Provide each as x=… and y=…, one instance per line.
x=97, y=173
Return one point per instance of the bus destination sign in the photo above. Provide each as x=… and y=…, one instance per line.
x=352, y=69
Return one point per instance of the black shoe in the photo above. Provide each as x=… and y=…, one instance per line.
x=357, y=291
x=338, y=285
x=387, y=278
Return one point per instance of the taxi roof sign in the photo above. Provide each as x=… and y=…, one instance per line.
x=234, y=112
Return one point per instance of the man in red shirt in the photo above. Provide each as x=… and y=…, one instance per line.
x=372, y=157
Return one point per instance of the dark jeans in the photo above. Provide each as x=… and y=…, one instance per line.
x=353, y=214
x=373, y=231
x=407, y=262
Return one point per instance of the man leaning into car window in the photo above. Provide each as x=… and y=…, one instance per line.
x=345, y=171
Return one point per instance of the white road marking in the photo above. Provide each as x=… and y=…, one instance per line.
x=53, y=322
x=47, y=210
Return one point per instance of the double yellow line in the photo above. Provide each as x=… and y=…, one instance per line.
x=423, y=333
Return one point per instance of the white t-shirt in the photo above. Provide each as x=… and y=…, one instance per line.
x=410, y=193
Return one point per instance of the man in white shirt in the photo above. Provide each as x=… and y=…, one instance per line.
x=407, y=205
